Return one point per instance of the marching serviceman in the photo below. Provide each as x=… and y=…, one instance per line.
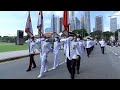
x=102, y=44
x=45, y=48
x=88, y=46
x=81, y=48
x=40, y=42
x=57, y=46
x=71, y=54
x=32, y=44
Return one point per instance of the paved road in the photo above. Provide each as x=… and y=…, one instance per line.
x=97, y=66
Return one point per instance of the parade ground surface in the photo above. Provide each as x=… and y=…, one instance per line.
x=97, y=66
x=6, y=47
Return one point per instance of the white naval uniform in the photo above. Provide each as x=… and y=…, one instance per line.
x=102, y=43
x=76, y=51
x=73, y=44
x=88, y=47
x=45, y=49
x=57, y=46
x=32, y=46
x=88, y=44
x=40, y=41
x=71, y=59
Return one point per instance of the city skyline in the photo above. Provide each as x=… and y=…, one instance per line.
x=11, y=21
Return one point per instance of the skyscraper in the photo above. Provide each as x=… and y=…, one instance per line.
x=99, y=23
x=87, y=21
x=58, y=25
x=93, y=29
x=53, y=23
x=72, y=20
x=61, y=24
x=77, y=23
x=113, y=24
x=82, y=22
x=48, y=30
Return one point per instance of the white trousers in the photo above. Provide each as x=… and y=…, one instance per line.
x=55, y=60
x=44, y=65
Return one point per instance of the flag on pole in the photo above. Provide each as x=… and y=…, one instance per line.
x=66, y=22
x=40, y=23
x=28, y=28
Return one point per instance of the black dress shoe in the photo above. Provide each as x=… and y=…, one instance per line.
x=72, y=77
x=28, y=70
x=78, y=72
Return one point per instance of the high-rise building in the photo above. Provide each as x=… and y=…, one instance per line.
x=77, y=23
x=93, y=29
x=48, y=30
x=58, y=25
x=61, y=25
x=87, y=21
x=82, y=22
x=72, y=20
x=53, y=23
x=113, y=24
x=99, y=23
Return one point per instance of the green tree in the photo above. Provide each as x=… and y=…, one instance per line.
x=96, y=34
x=116, y=34
x=107, y=35
x=81, y=32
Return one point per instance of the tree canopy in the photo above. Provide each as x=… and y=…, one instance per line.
x=81, y=32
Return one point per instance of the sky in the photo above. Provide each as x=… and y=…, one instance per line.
x=11, y=21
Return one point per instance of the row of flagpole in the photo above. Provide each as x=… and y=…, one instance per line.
x=29, y=29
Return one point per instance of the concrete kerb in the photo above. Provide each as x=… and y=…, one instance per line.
x=14, y=58
x=18, y=57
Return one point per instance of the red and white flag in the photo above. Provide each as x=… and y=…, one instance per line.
x=40, y=22
x=28, y=28
x=66, y=22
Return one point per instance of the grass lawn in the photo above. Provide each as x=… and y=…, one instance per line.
x=6, y=47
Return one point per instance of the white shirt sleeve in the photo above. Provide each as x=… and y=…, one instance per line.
x=36, y=46
x=27, y=41
x=63, y=40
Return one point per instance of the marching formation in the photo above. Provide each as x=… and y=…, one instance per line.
x=74, y=47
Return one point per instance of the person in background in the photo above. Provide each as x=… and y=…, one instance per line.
x=88, y=46
x=102, y=45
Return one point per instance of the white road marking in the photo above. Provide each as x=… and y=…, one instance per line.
x=52, y=68
x=115, y=53
x=61, y=63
